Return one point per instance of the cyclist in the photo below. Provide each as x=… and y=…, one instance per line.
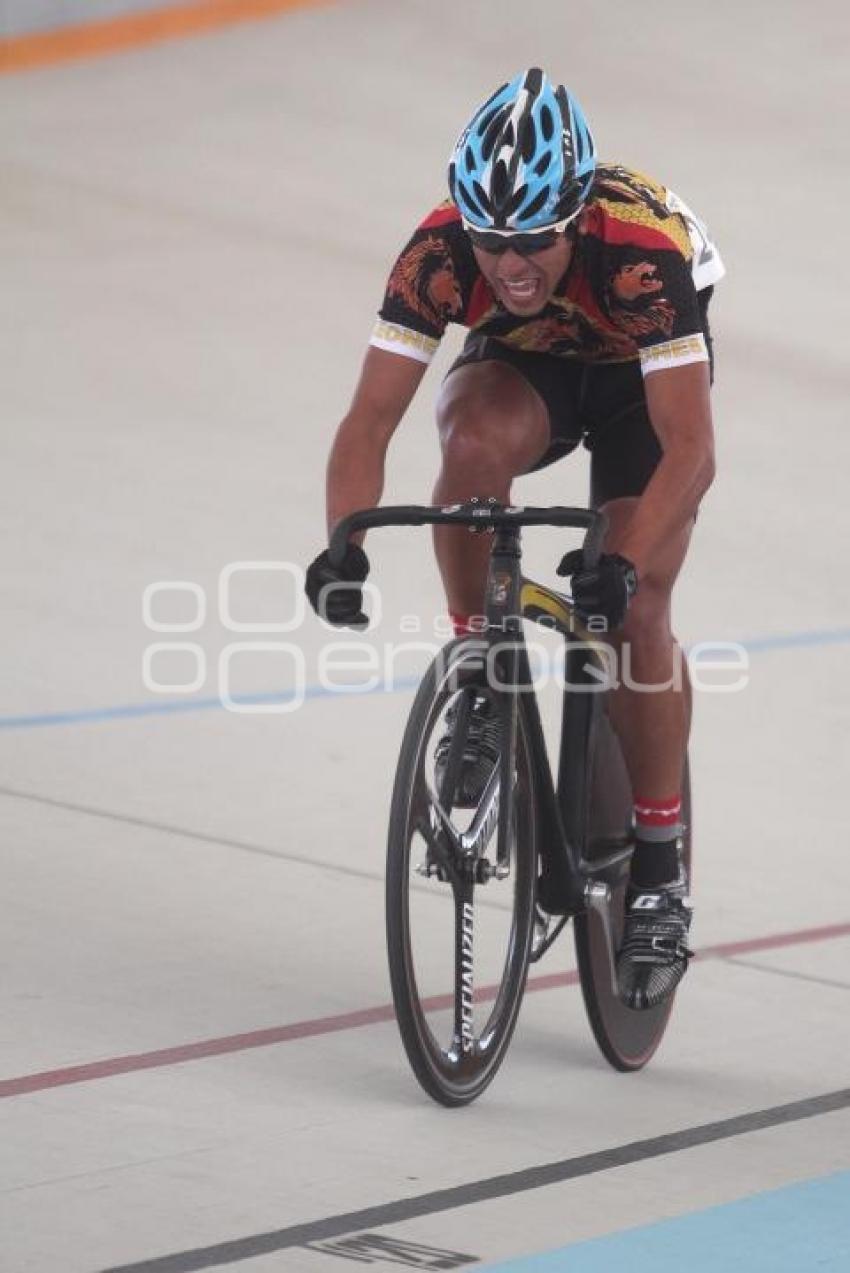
x=585, y=288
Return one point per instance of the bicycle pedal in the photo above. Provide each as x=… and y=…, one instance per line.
x=431, y=870
x=485, y=871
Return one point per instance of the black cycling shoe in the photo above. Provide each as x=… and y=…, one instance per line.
x=480, y=752
x=654, y=955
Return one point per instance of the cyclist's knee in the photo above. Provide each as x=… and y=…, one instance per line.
x=648, y=617
x=490, y=419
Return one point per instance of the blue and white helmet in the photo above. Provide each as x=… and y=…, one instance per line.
x=526, y=159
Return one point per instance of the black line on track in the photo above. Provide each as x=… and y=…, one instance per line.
x=166, y=828
x=485, y=1190
x=202, y=837
x=787, y=972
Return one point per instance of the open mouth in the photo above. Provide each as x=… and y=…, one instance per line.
x=520, y=291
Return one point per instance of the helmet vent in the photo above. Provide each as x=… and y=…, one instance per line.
x=536, y=204
x=500, y=182
x=528, y=139
x=570, y=194
x=468, y=198
x=482, y=197
x=547, y=123
x=492, y=134
x=516, y=200
x=486, y=120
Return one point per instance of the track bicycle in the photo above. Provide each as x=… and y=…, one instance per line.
x=535, y=851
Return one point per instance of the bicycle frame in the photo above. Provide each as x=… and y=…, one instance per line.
x=509, y=597
x=508, y=667
x=566, y=885
x=575, y=824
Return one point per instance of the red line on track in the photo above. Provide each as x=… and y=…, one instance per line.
x=727, y=949
x=111, y=1066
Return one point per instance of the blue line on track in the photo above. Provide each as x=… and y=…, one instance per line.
x=797, y=640
x=798, y=1229
x=132, y=711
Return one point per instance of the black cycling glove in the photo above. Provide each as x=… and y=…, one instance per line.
x=341, y=606
x=605, y=590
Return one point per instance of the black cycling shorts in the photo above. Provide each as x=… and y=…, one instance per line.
x=602, y=405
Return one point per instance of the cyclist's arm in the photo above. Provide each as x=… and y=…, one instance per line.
x=410, y=325
x=680, y=411
x=355, y=476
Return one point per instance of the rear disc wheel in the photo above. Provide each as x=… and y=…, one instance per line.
x=626, y=1037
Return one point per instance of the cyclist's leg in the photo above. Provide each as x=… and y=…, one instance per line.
x=650, y=712
x=500, y=413
x=652, y=724
x=652, y=727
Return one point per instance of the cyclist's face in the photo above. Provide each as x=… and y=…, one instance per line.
x=524, y=283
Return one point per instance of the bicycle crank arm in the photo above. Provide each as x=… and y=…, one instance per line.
x=474, y=841
x=547, y=939
x=597, y=898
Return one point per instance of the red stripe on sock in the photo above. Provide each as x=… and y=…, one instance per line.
x=658, y=813
x=466, y=624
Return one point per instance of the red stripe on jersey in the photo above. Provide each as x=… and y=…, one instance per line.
x=481, y=301
x=442, y=215
x=606, y=226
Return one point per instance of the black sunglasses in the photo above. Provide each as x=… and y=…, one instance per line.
x=523, y=244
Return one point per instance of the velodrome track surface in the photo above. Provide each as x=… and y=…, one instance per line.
x=198, y=1065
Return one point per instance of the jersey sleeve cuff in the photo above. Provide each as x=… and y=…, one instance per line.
x=674, y=353
x=404, y=341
